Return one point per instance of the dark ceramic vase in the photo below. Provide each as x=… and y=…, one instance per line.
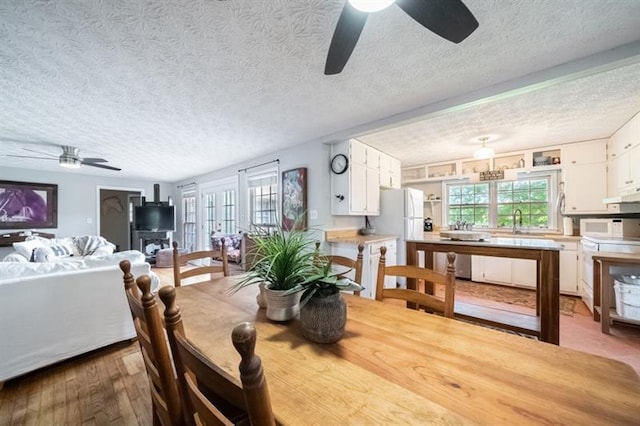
x=323, y=319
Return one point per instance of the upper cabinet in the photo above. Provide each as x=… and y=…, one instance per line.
x=389, y=171
x=624, y=157
x=585, y=177
x=355, y=179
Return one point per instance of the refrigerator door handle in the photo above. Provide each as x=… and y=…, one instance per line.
x=411, y=203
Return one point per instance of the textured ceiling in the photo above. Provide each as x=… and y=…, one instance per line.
x=171, y=89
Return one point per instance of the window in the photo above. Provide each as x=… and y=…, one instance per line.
x=210, y=213
x=492, y=204
x=229, y=212
x=189, y=220
x=469, y=203
x=218, y=209
x=530, y=196
x=263, y=199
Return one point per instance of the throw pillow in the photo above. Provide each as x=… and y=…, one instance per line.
x=50, y=254
x=216, y=243
x=236, y=241
x=26, y=248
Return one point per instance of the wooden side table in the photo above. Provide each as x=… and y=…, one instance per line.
x=603, y=284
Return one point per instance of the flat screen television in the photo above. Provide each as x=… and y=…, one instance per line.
x=154, y=218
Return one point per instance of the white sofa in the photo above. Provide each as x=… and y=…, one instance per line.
x=53, y=311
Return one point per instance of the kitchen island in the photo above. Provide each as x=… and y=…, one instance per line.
x=546, y=324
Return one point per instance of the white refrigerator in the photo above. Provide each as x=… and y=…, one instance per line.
x=401, y=214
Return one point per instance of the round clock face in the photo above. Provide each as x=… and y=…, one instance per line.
x=339, y=164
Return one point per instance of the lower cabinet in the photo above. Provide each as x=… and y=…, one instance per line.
x=504, y=270
x=371, y=257
x=569, y=268
x=522, y=272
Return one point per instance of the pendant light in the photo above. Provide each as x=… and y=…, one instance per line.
x=484, y=152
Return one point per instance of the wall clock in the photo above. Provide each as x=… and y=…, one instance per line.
x=339, y=164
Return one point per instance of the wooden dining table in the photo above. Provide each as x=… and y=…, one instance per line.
x=400, y=366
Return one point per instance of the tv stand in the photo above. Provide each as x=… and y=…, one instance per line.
x=159, y=239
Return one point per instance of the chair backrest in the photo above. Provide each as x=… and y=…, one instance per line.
x=355, y=264
x=166, y=404
x=211, y=393
x=444, y=306
x=180, y=273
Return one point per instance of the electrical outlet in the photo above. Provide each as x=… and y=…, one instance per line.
x=313, y=214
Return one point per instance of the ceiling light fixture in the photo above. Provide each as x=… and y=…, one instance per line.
x=69, y=162
x=370, y=5
x=484, y=152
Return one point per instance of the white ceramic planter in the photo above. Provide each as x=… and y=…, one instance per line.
x=261, y=298
x=282, y=308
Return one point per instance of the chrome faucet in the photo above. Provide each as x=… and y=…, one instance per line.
x=517, y=229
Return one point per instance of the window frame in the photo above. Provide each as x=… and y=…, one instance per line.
x=269, y=178
x=553, y=214
x=190, y=238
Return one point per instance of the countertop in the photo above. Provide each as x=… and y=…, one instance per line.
x=364, y=239
x=554, y=237
x=526, y=243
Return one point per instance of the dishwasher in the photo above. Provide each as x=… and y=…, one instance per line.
x=463, y=266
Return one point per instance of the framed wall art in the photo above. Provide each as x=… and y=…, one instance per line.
x=294, y=199
x=27, y=205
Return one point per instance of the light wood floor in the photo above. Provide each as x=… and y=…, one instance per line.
x=109, y=386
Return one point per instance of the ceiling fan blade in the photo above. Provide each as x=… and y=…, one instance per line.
x=450, y=19
x=39, y=152
x=29, y=156
x=102, y=166
x=345, y=37
x=93, y=160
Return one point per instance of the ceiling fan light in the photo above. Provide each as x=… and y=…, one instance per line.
x=69, y=162
x=484, y=153
x=370, y=5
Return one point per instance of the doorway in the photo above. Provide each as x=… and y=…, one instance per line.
x=115, y=215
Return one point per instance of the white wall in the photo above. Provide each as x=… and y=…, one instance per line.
x=77, y=194
x=315, y=156
x=77, y=197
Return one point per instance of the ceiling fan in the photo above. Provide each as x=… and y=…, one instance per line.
x=450, y=19
x=70, y=158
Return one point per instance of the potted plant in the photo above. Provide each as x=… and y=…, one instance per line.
x=283, y=260
x=323, y=312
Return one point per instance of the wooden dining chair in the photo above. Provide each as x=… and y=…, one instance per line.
x=165, y=399
x=356, y=264
x=212, y=395
x=442, y=305
x=180, y=272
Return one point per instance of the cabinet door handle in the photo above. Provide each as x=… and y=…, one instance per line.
x=573, y=208
x=573, y=162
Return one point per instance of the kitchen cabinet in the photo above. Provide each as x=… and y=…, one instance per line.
x=584, y=153
x=357, y=190
x=569, y=268
x=628, y=171
x=625, y=138
x=585, y=177
x=389, y=171
x=370, y=259
x=504, y=270
x=522, y=272
x=491, y=269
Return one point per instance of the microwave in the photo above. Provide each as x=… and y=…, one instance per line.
x=610, y=228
